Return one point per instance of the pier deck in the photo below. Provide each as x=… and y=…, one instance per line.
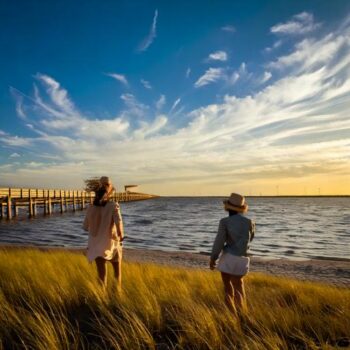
x=49, y=200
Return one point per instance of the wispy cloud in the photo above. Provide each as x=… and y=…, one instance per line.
x=218, y=56
x=146, y=43
x=239, y=74
x=176, y=102
x=146, y=84
x=212, y=75
x=19, y=109
x=311, y=53
x=58, y=95
x=295, y=129
x=148, y=129
x=233, y=78
x=275, y=46
x=229, y=75
x=265, y=77
x=19, y=102
x=229, y=28
x=161, y=102
x=15, y=155
x=301, y=23
x=15, y=141
x=188, y=72
x=119, y=77
x=134, y=107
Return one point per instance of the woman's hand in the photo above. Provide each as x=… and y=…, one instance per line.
x=114, y=236
x=120, y=230
x=212, y=264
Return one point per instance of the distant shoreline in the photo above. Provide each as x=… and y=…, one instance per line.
x=335, y=272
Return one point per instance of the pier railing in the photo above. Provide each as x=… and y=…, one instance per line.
x=11, y=199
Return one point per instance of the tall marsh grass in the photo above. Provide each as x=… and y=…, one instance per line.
x=51, y=300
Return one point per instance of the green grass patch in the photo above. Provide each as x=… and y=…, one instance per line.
x=51, y=300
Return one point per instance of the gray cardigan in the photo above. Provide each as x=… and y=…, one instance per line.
x=234, y=234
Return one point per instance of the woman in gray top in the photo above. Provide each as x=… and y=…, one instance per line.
x=233, y=237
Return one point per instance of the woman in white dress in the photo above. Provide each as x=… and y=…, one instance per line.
x=233, y=237
x=104, y=223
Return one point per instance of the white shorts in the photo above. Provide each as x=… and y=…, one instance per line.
x=233, y=265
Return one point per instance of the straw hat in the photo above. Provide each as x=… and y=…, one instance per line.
x=236, y=202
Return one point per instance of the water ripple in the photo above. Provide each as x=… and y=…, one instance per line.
x=286, y=227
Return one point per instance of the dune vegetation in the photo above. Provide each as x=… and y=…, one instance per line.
x=51, y=300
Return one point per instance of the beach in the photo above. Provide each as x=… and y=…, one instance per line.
x=335, y=272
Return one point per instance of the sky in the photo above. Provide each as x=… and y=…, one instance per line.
x=182, y=98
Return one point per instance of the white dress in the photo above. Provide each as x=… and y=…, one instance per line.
x=103, y=240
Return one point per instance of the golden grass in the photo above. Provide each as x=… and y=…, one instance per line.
x=51, y=300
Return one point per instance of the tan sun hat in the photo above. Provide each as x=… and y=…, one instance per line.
x=236, y=202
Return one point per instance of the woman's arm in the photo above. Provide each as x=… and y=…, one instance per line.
x=218, y=244
x=117, y=217
x=252, y=230
x=120, y=230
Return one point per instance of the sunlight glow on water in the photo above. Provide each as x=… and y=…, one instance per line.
x=286, y=227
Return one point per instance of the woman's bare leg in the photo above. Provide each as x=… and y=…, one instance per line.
x=228, y=288
x=117, y=268
x=101, y=271
x=239, y=292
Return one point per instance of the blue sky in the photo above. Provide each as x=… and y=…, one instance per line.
x=196, y=97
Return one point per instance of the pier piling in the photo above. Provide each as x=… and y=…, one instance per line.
x=49, y=207
x=15, y=209
x=9, y=205
x=34, y=208
x=30, y=207
x=61, y=202
x=74, y=203
x=82, y=201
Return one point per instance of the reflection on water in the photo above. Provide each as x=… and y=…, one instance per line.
x=286, y=227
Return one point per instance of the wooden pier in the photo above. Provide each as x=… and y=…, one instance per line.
x=11, y=199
